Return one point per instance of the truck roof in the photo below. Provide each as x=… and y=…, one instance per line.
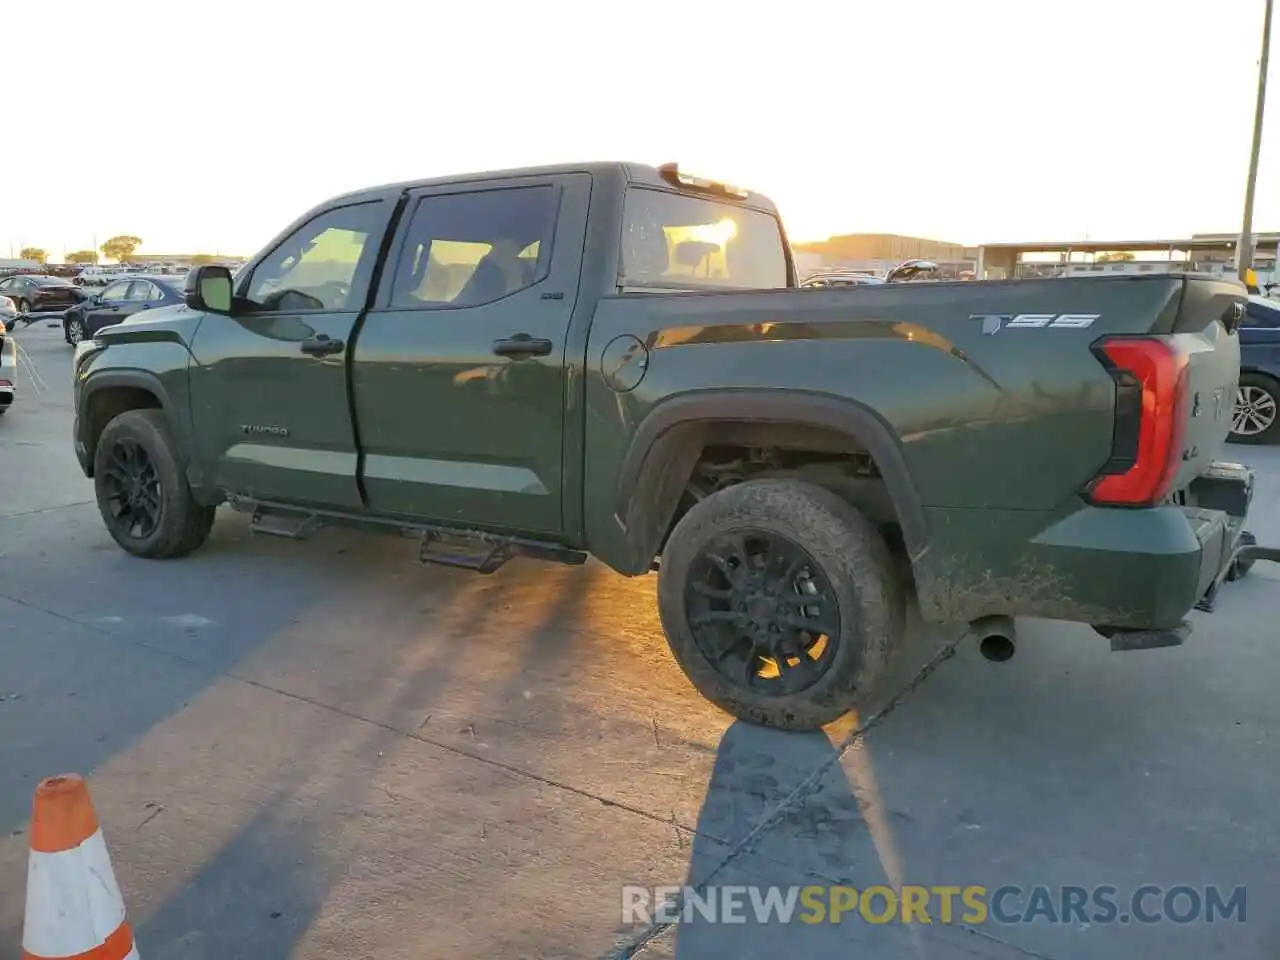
x=634, y=173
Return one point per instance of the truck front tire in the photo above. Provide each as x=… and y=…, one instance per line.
x=142, y=493
x=781, y=602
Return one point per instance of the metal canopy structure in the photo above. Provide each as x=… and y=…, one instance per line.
x=1003, y=259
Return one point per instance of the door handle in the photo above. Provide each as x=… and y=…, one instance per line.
x=522, y=345
x=321, y=346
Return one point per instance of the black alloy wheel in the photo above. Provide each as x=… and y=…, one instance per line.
x=763, y=612
x=134, y=494
x=781, y=602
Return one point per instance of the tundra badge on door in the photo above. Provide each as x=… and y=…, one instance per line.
x=993, y=323
x=264, y=429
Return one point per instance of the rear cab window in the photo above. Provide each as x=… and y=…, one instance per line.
x=678, y=241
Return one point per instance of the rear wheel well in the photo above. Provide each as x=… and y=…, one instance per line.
x=106, y=404
x=725, y=453
x=1264, y=374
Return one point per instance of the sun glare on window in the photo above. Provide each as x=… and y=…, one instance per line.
x=719, y=233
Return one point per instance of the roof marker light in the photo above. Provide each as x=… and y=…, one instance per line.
x=671, y=173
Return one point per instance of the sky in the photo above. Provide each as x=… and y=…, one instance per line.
x=208, y=127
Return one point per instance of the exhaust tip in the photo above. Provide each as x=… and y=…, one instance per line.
x=997, y=637
x=997, y=648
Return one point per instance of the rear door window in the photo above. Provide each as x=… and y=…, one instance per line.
x=673, y=240
x=142, y=290
x=468, y=249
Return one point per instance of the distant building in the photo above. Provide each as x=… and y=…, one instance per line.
x=883, y=246
x=183, y=259
x=1212, y=253
x=878, y=252
x=20, y=264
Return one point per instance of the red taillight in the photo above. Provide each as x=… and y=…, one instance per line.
x=1151, y=389
x=5, y=383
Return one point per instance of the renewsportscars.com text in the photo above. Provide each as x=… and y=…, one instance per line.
x=969, y=905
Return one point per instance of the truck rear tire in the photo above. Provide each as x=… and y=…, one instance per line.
x=781, y=602
x=142, y=492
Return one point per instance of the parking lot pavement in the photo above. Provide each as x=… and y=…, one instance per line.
x=324, y=750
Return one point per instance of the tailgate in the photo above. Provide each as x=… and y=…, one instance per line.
x=1208, y=316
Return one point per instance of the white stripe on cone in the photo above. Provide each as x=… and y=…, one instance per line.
x=73, y=901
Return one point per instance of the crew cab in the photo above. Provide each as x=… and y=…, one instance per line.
x=615, y=360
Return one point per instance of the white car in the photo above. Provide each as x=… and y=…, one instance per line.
x=8, y=355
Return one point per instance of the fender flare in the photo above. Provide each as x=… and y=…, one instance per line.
x=98, y=381
x=664, y=437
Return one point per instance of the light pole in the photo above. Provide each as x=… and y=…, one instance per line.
x=1244, y=246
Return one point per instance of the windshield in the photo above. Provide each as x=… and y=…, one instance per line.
x=51, y=281
x=674, y=240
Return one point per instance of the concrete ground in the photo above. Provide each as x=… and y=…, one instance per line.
x=324, y=750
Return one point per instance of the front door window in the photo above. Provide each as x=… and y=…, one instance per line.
x=318, y=267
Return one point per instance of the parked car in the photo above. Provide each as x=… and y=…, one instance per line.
x=116, y=302
x=1257, y=401
x=39, y=293
x=8, y=311
x=909, y=271
x=91, y=276
x=613, y=359
x=8, y=358
x=841, y=279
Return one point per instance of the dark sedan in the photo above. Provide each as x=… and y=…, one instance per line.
x=37, y=293
x=118, y=300
x=1258, y=397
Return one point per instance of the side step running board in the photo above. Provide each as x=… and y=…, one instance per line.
x=274, y=523
x=475, y=550
x=490, y=552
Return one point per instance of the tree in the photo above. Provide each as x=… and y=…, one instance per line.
x=33, y=253
x=83, y=256
x=1114, y=257
x=200, y=259
x=121, y=248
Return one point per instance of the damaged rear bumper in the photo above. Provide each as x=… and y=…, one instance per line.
x=1132, y=574
x=1216, y=505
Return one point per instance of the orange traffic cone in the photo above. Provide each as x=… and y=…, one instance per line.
x=74, y=907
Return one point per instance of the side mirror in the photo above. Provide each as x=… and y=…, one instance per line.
x=208, y=288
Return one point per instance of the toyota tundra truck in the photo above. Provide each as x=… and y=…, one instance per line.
x=616, y=360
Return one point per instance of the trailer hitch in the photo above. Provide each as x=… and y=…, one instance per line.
x=1242, y=559
x=1251, y=552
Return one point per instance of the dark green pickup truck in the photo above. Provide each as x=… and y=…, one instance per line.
x=615, y=360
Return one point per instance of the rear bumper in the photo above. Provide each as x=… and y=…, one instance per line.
x=1139, y=569
x=59, y=305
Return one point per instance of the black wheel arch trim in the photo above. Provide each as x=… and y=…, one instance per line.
x=854, y=419
x=138, y=379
